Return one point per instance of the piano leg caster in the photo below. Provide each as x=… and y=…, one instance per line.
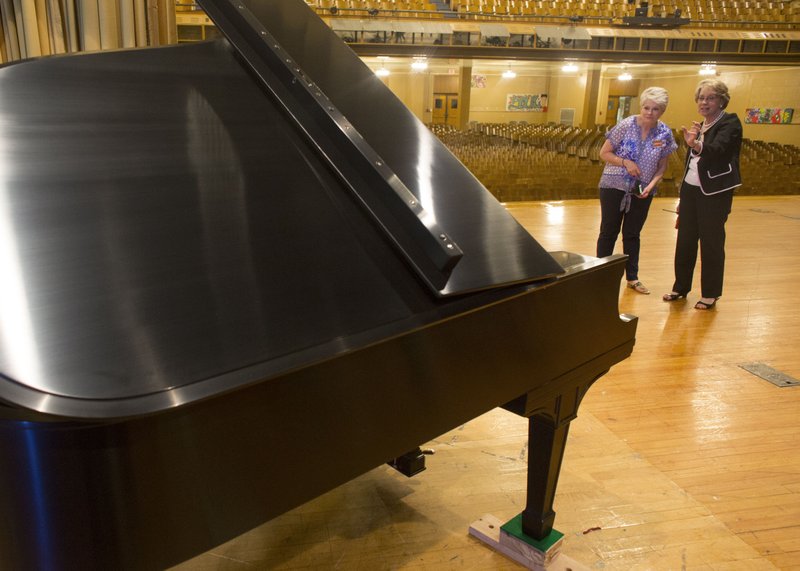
x=410, y=463
x=509, y=539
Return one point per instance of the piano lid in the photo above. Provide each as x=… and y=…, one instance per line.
x=344, y=107
x=172, y=227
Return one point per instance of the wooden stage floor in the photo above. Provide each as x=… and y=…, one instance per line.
x=679, y=459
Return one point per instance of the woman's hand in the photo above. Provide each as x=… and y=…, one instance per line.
x=690, y=135
x=646, y=190
x=632, y=168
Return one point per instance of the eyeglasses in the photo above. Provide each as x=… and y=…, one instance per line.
x=708, y=99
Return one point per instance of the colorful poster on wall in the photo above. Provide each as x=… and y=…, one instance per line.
x=478, y=81
x=526, y=102
x=769, y=115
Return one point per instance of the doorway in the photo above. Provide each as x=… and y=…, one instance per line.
x=446, y=109
x=619, y=107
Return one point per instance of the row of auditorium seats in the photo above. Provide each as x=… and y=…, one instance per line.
x=556, y=162
x=585, y=143
x=475, y=9
x=770, y=168
x=698, y=10
x=385, y=8
x=727, y=10
x=526, y=162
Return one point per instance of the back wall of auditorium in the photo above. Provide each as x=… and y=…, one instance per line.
x=490, y=92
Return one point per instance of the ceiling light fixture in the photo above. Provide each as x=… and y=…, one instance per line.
x=708, y=69
x=624, y=76
x=509, y=74
x=569, y=67
x=419, y=64
x=382, y=72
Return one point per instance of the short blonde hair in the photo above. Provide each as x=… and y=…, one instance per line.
x=718, y=87
x=657, y=95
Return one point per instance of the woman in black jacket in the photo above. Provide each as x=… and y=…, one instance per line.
x=711, y=174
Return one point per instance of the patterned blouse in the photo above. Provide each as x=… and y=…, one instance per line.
x=626, y=138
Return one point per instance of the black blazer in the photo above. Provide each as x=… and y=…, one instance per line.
x=718, y=166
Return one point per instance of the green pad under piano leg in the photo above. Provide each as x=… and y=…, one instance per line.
x=508, y=539
x=514, y=527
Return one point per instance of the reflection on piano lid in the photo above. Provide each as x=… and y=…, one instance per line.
x=214, y=252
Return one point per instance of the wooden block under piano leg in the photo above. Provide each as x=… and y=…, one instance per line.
x=543, y=555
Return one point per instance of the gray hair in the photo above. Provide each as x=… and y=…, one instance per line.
x=657, y=95
x=719, y=89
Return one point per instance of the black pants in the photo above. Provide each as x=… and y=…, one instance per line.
x=702, y=218
x=613, y=219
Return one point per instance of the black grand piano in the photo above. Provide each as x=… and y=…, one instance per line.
x=238, y=274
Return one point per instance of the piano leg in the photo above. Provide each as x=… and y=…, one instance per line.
x=546, y=442
x=529, y=538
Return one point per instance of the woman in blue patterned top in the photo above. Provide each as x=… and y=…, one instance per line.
x=636, y=151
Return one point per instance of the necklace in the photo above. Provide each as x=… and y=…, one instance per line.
x=717, y=118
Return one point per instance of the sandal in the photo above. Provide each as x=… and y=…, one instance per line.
x=704, y=306
x=673, y=296
x=639, y=286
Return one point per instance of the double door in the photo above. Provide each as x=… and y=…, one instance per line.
x=446, y=109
